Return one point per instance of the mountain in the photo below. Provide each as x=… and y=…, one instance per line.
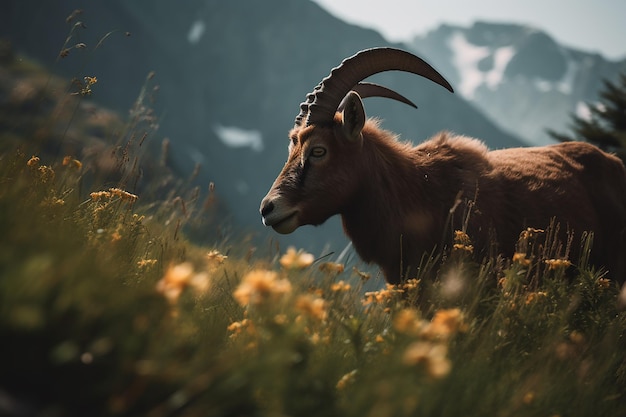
x=523, y=79
x=231, y=76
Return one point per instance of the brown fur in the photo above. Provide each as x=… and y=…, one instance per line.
x=397, y=201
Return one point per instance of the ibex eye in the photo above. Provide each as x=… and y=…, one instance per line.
x=318, y=152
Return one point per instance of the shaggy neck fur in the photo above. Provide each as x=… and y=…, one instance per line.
x=400, y=211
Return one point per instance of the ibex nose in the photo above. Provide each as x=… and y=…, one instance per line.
x=266, y=207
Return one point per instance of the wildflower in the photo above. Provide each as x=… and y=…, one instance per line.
x=462, y=242
x=407, y=321
x=411, y=284
x=534, y=296
x=259, y=286
x=100, y=195
x=521, y=259
x=363, y=275
x=381, y=296
x=176, y=278
x=237, y=327
x=346, y=380
x=557, y=264
x=90, y=80
x=123, y=195
x=280, y=319
x=462, y=237
x=332, y=268
x=33, y=162
x=215, y=257
x=312, y=306
x=200, y=282
x=84, y=88
x=74, y=163
x=433, y=357
x=445, y=323
x=340, y=286
x=116, y=236
x=296, y=260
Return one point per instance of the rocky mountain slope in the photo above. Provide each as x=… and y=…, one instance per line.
x=519, y=76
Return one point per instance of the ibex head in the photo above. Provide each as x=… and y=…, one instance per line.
x=322, y=175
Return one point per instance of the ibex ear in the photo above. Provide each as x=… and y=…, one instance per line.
x=353, y=116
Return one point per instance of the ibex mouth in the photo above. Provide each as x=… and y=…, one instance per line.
x=283, y=225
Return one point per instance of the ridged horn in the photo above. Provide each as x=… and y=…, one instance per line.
x=323, y=102
x=365, y=90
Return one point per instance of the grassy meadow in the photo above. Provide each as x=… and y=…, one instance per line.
x=107, y=308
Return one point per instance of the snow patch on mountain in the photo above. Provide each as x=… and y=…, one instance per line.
x=467, y=57
x=236, y=137
x=196, y=31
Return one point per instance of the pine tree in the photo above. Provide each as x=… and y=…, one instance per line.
x=606, y=125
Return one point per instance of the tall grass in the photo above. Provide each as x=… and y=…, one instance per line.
x=107, y=309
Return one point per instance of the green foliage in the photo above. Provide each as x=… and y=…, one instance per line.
x=606, y=125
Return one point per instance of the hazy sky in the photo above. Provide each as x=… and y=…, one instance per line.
x=591, y=25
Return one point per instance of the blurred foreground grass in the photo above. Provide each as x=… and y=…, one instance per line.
x=106, y=308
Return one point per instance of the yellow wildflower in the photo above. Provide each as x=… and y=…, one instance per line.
x=407, y=321
x=237, y=327
x=445, y=323
x=33, y=162
x=215, y=257
x=557, y=264
x=312, y=306
x=74, y=163
x=432, y=356
x=340, y=286
x=293, y=259
x=363, y=275
x=176, y=278
x=100, y=195
x=462, y=237
x=259, y=286
x=381, y=296
x=200, y=282
x=521, y=259
x=411, y=284
x=462, y=242
x=534, y=296
x=124, y=195
x=332, y=268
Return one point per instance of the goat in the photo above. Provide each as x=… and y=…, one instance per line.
x=397, y=200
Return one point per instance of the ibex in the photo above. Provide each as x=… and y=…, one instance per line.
x=396, y=200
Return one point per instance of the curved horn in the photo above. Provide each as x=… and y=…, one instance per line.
x=331, y=91
x=365, y=90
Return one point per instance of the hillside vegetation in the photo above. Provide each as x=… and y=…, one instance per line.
x=108, y=309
